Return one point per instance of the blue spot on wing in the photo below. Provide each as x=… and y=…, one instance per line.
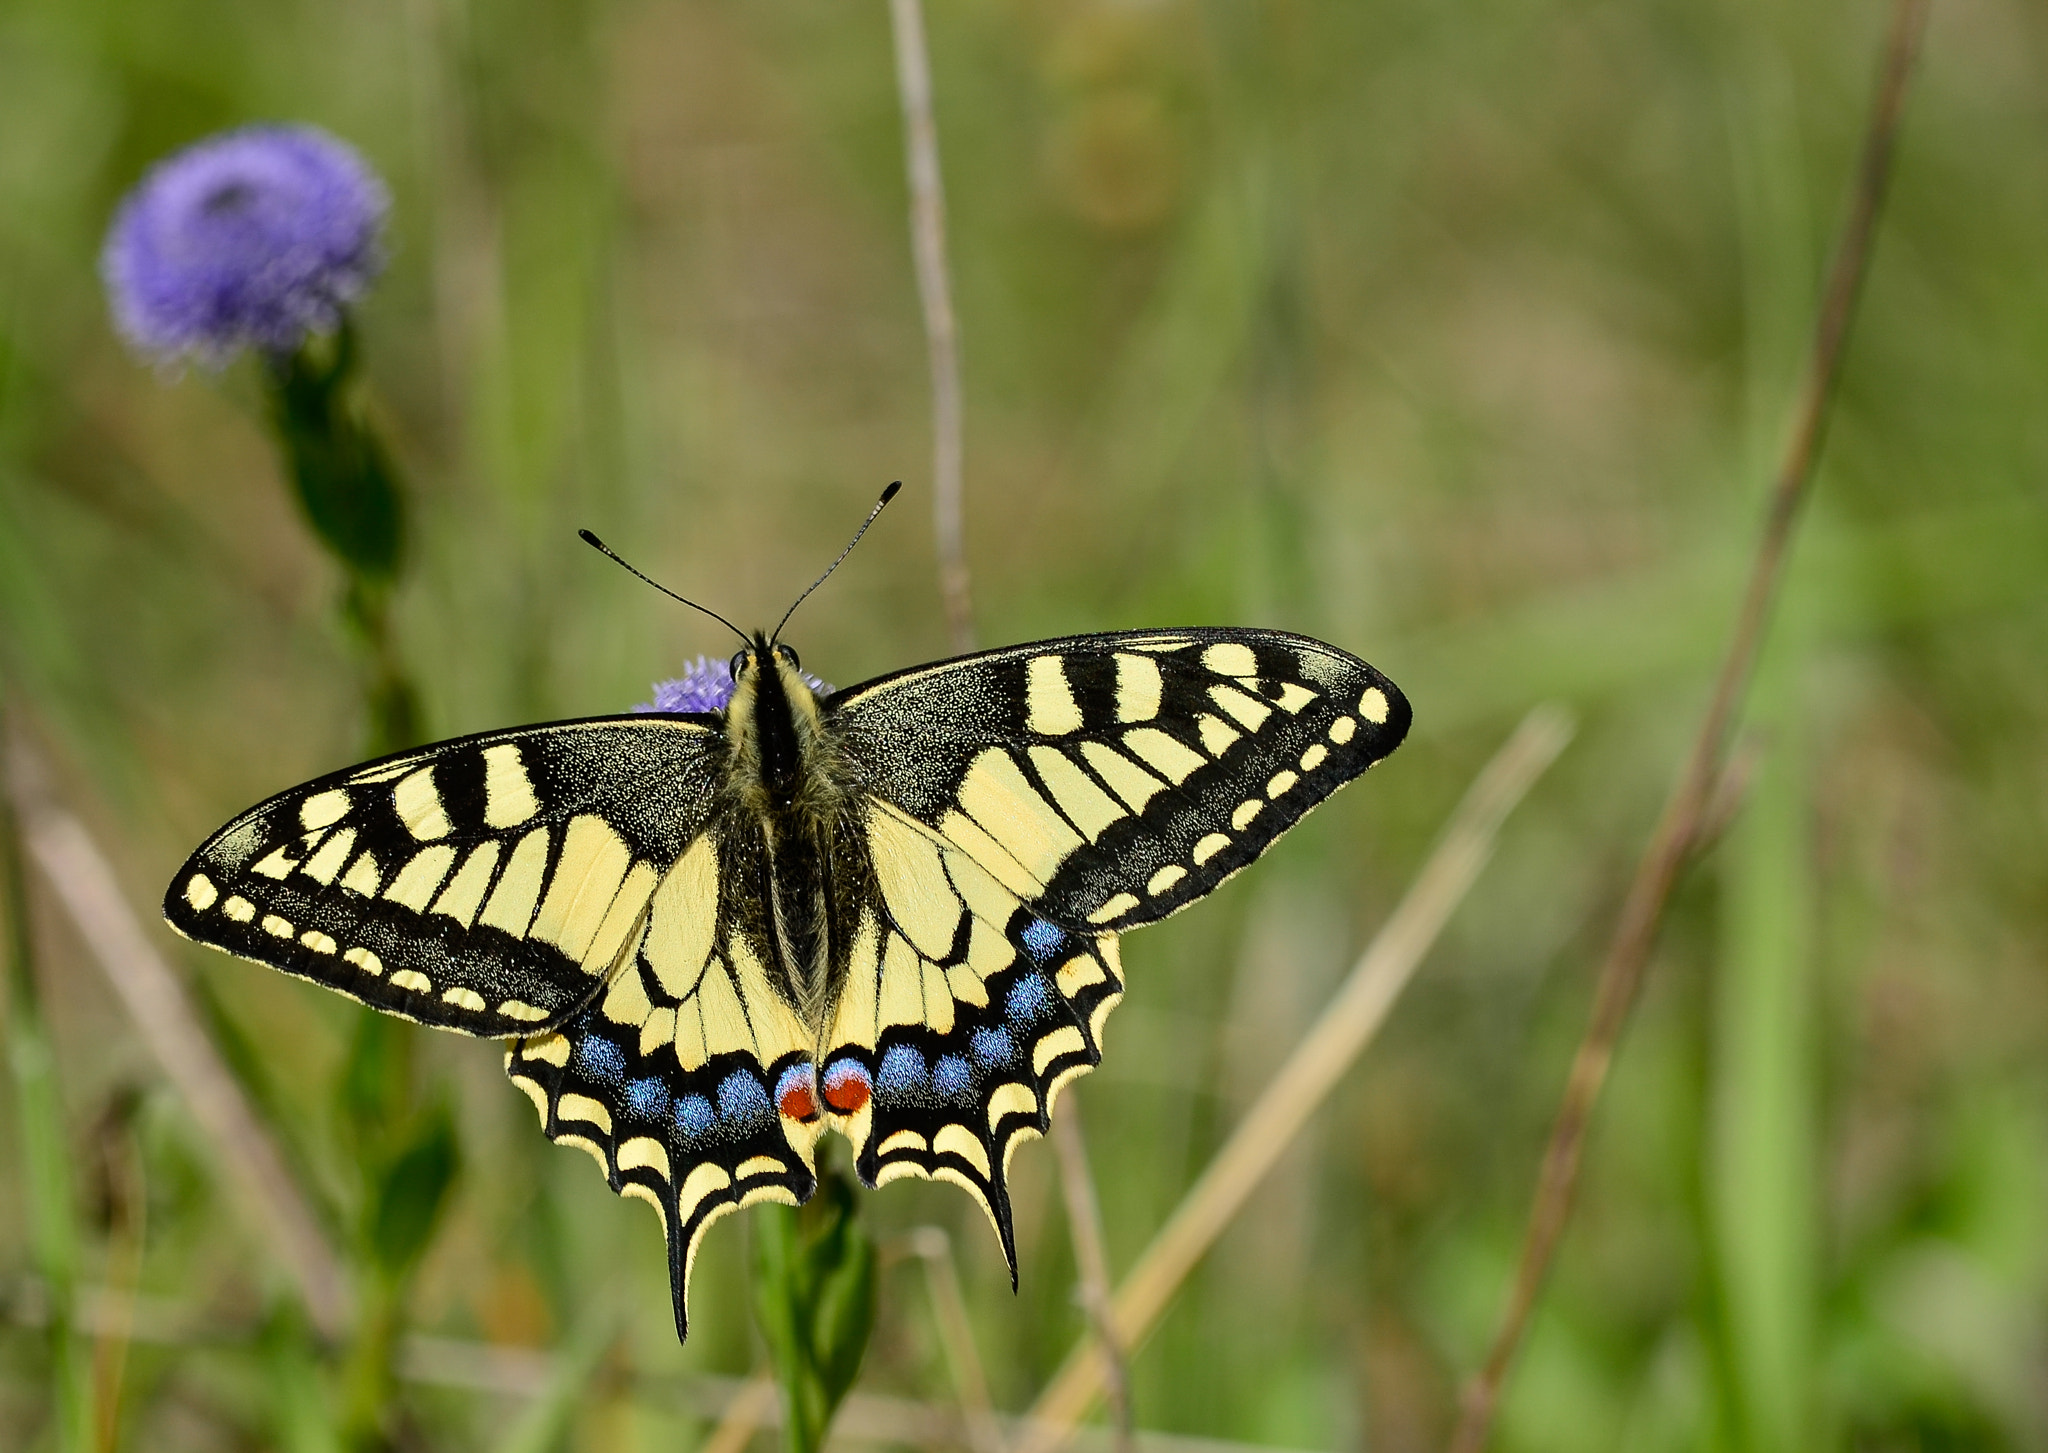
x=1042, y=940
x=742, y=1099
x=991, y=1046
x=602, y=1060
x=952, y=1078
x=902, y=1075
x=1028, y=999
x=647, y=1099
x=693, y=1116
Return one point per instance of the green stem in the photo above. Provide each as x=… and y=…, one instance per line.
x=46, y=1174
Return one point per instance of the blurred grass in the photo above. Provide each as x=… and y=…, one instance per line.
x=1459, y=337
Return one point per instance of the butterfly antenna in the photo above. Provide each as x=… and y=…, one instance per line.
x=606, y=550
x=887, y=495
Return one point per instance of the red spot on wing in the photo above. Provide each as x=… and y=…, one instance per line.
x=796, y=1096
x=846, y=1086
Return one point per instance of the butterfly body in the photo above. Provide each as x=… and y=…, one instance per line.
x=891, y=911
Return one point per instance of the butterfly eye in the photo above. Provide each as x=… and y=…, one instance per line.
x=789, y=654
x=739, y=663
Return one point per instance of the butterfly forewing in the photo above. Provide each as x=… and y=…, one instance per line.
x=486, y=884
x=1112, y=780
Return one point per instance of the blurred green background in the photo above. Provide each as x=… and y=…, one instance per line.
x=1461, y=336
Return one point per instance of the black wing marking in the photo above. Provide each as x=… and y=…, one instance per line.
x=963, y=1014
x=678, y=1080
x=486, y=884
x=1111, y=780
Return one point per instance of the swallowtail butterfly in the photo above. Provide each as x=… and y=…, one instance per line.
x=890, y=910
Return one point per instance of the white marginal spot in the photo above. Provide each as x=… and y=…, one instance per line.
x=1139, y=687
x=1062, y=1041
x=463, y=998
x=1209, y=847
x=277, y=927
x=318, y=942
x=1231, y=658
x=508, y=791
x=1343, y=729
x=412, y=979
x=1248, y=809
x=323, y=809
x=959, y=1140
x=901, y=1140
x=1313, y=757
x=515, y=1009
x=1078, y=972
x=200, y=892
x=760, y=1165
x=644, y=1153
x=1373, y=705
x=1282, y=782
x=1294, y=697
x=418, y=803
x=589, y=1111
x=1010, y=1099
x=1165, y=878
x=1050, y=706
x=363, y=959
x=1116, y=907
x=239, y=908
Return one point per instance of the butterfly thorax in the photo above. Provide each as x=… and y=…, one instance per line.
x=787, y=794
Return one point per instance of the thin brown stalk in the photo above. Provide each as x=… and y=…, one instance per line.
x=1679, y=827
x=1317, y=1065
x=1091, y=1257
x=935, y=294
x=934, y=1248
x=754, y=1404
x=84, y=884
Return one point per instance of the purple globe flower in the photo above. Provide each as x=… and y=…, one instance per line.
x=253, y=238
x=706, y=685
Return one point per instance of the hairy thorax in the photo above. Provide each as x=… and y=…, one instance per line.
x=790, y=840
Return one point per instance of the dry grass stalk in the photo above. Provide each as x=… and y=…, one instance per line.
x=935, y=293
x=1091, y=1259
x=754, y=1404
x=1316, y=1066
x=1692, y=800
x=84, y=883
x=934, y=1248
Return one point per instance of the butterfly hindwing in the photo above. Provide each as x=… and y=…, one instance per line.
x=961, y=1016
x=1111, y=780
x=486, y=884
x=674, y=1079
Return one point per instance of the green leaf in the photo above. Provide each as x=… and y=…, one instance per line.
x=814, y=1293
x=344, y=479
x=409, y=1198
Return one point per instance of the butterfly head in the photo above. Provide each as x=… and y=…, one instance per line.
x=773, y=720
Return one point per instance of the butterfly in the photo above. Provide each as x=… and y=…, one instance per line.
x=890, y=910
